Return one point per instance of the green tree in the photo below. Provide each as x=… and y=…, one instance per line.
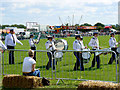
x=99, y=24
x=21, y=26
x=14, y=25
x=18, y=26
x=85, y=24
x=3, y=26
x=113, y=26
x=118, y=27
x=0, y=26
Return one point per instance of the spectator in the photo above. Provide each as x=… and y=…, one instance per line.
x=29, y=65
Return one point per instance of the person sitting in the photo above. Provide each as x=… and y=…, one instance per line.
x=29, y=65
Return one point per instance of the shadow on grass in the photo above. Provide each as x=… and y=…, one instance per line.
x=65, y=64
x=44, y=66
x=86, y=69
x=13, y=64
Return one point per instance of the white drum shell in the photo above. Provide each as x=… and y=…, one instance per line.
x=86, y=55
x=61, y=44
x=58, y=55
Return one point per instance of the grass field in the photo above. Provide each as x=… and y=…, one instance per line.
x=64, y=68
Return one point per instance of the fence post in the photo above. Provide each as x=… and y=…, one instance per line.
x=0, y=63
x=119, y=66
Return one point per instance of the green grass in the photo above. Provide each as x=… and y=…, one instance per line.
x=64, y=68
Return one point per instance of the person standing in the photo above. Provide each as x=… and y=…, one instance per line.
x=29, y=65
x=50, y=52
x=10, y=43
x=32, y=43
x=113, y=45
x=94, y=43
x=78, y=46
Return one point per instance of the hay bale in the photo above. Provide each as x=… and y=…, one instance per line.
x=18, y=81
x=98, y=85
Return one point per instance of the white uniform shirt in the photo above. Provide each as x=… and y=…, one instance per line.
x=112, y=42
x=94, y=42
x=78, y=45
x=9, y=40
x=2, y=45
x=32, y=42
x=27, y=64
x=48, y=43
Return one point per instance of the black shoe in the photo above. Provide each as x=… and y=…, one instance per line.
x=75, y=69
x=109, y=63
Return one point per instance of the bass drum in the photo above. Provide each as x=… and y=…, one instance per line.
x=58, y=56
x=86, y=56
x=118, y=49
x=61, y=44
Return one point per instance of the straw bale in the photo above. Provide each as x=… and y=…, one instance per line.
x=18, y=81
x=98, y=85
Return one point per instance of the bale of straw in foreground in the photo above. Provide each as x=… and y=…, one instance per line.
x=18, y=81
x=98, y=85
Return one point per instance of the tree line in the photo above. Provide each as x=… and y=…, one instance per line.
x=98, y=24
x=14, y=25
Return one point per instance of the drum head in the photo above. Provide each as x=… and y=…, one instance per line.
x=86, y=56
x=118, y=49
x=58, y=55
x=59, y=45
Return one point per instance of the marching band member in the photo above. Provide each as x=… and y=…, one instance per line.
x=94, y=43
x=78, y=46
x=10, y=42
x=32, y=43
x=3, y=47
x=113, y=45
x=50, y=51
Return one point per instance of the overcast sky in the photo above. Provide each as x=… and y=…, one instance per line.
x=49, y=11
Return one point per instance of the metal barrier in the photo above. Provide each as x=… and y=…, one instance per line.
x=19, y=55
x=106, y=72
x=0, y=63
x=64, y=68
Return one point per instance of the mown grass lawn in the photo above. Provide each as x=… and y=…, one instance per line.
x=64, y=68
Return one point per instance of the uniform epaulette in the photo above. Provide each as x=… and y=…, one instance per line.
x=93, y=38
x=46, y=42
x=75, y=41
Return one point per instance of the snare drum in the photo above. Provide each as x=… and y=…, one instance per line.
x=86, y=56
x=60, y=44
x=118, y=49
x=58, y=56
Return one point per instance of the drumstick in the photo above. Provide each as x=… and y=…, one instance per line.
x=38, y=39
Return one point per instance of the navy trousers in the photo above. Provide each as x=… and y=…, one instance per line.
x=49, y=64
x=79, y=61
x=11, y=54
x=96, y=58
x=34, y=48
